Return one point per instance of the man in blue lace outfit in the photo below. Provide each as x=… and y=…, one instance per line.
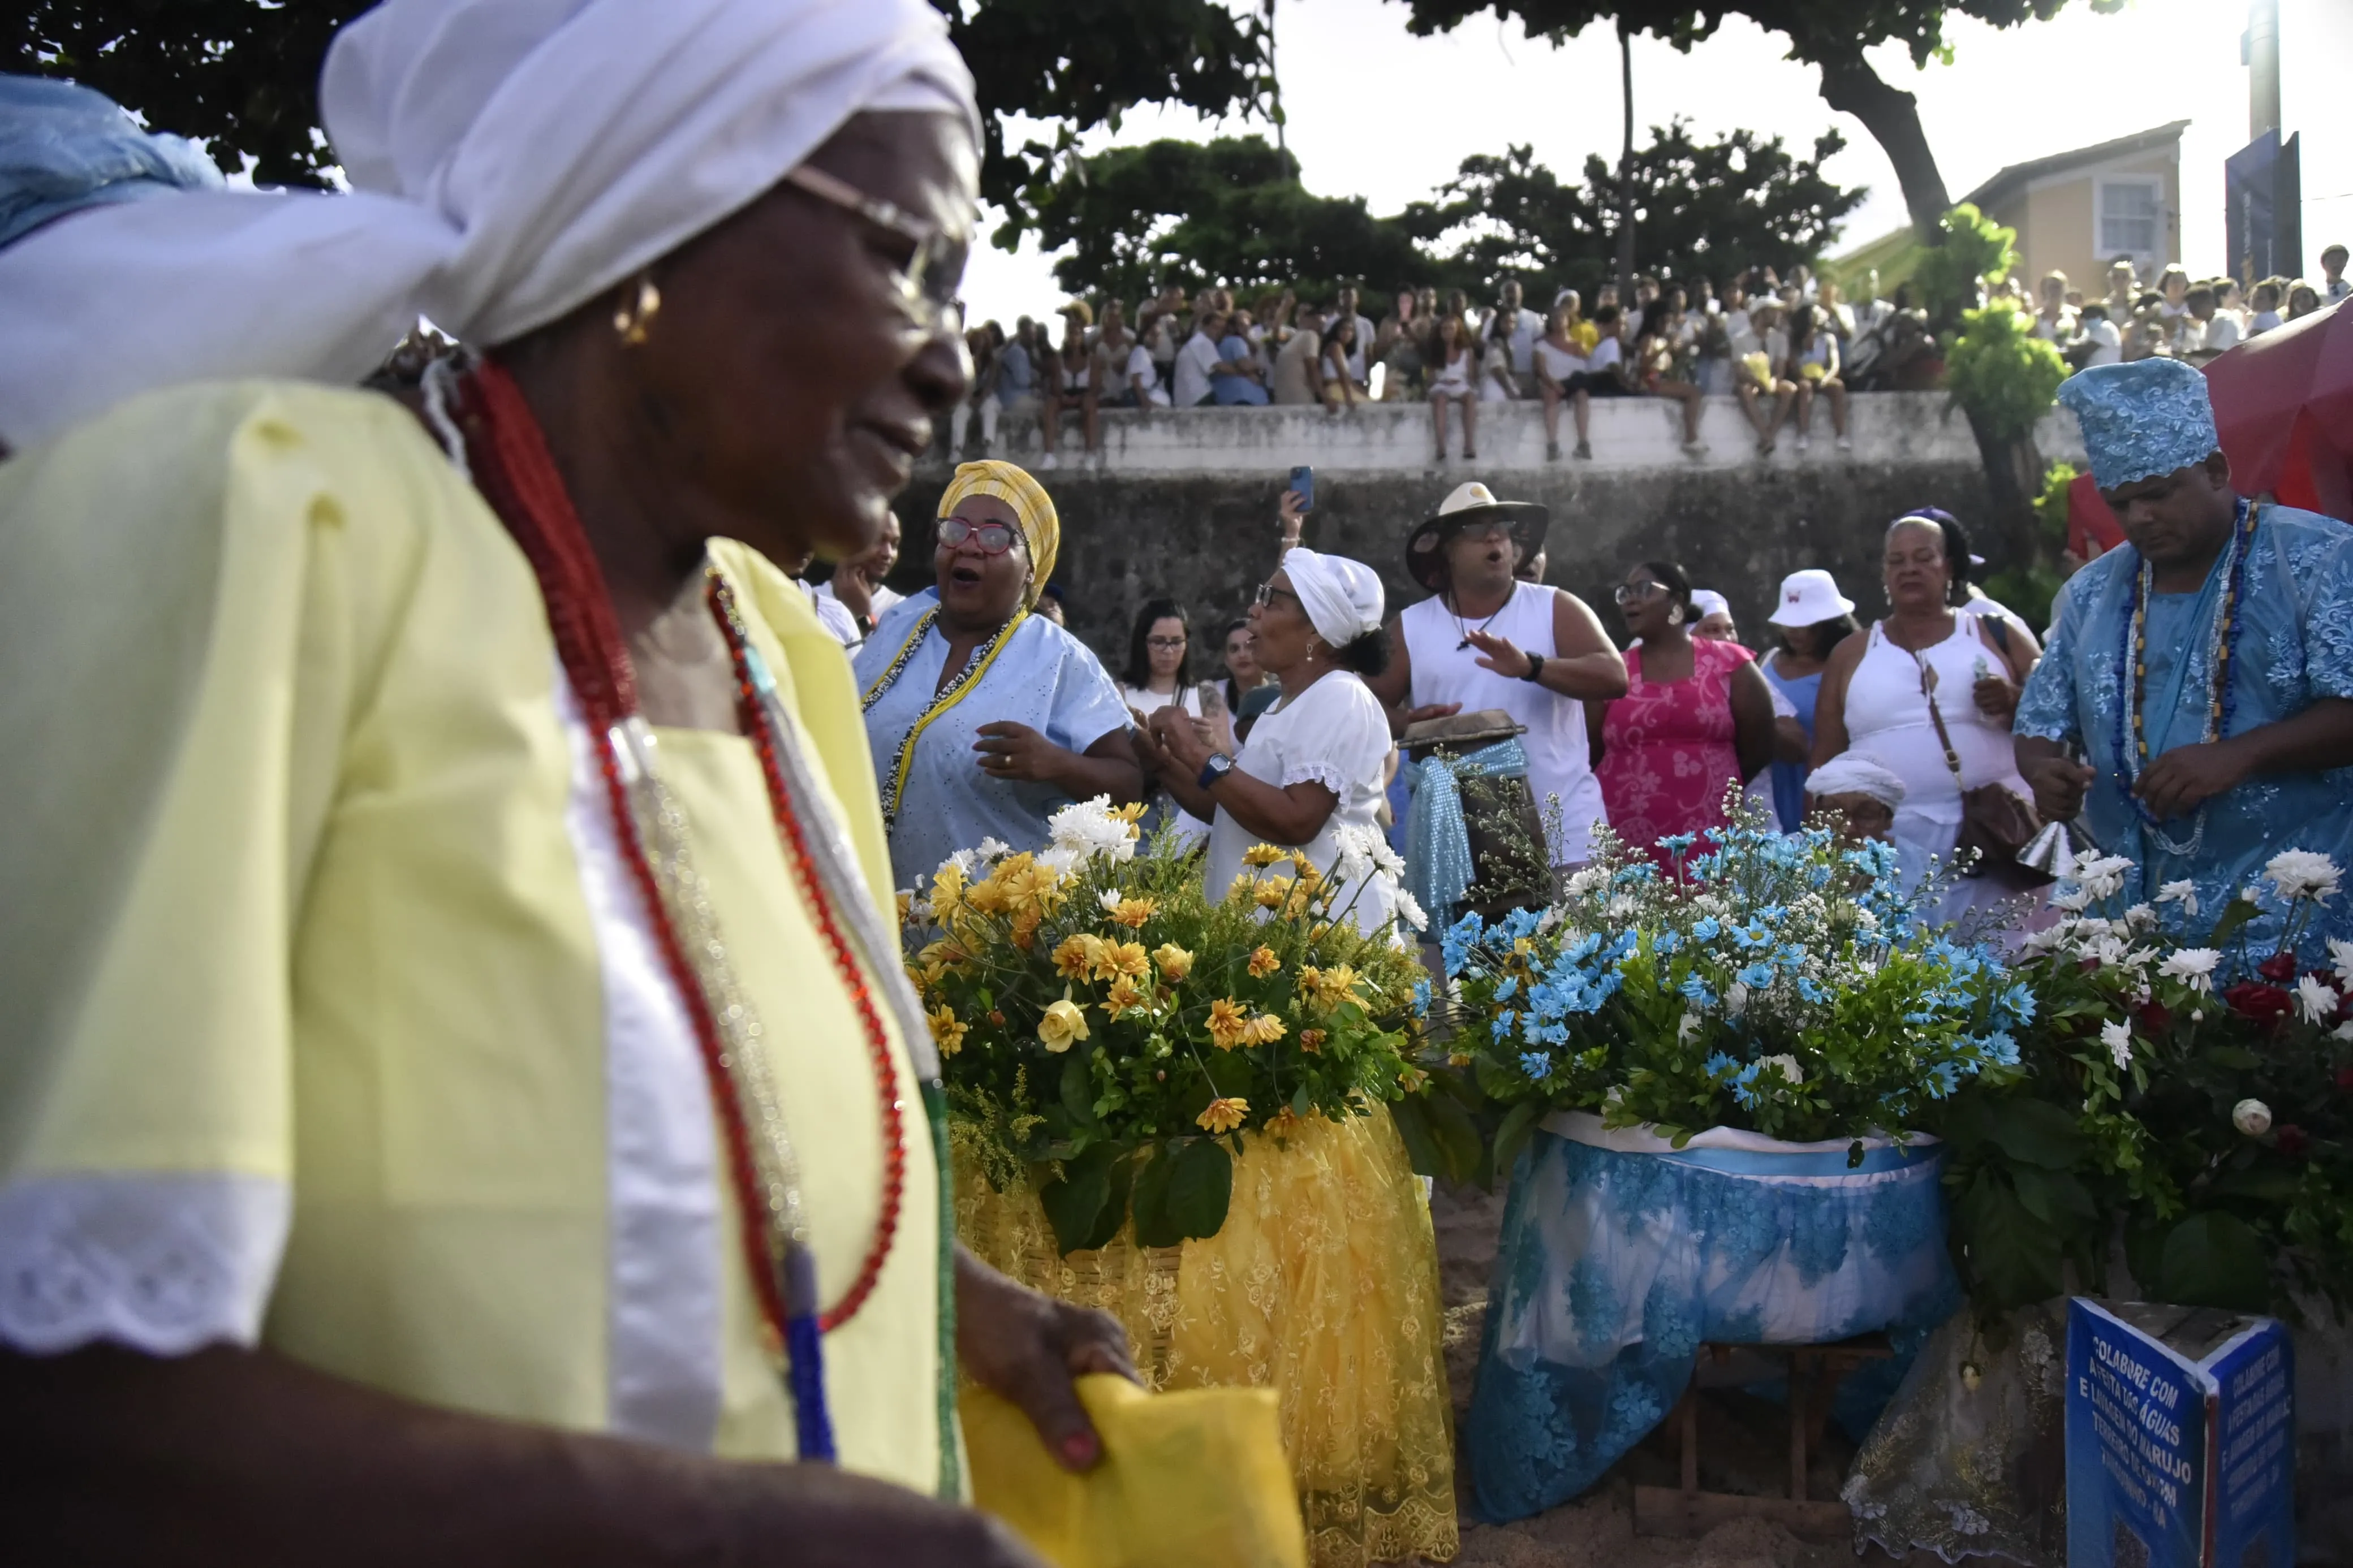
x=2197, y=779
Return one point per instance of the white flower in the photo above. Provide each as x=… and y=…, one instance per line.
x=2192, y=966
x=1621, y=906
x=2314, y=1000
x=2341, y=953
x=1386, y=860
x=1585, y=881
x=1735, y=1000
x=1059, y=860
x=1109, y=899
x=2251, y=1117
x=964, y=860
x=1865, y=921
x=1089, y=827
x=2103, y=876
x=1688, y=1028
x=2343, y=1031
x=1354, y=864
x=1410, y=911
x=1787, y=1065
x=995, y=849
x=2072, y=899
x=2303, y=874
x=2183, y=893
x=2141, y=917
x=2118, y=1037
x=1545, y=923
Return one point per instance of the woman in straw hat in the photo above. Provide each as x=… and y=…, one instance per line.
x=463, y=1103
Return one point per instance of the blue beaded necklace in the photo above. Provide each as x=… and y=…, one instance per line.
x=2221, y=653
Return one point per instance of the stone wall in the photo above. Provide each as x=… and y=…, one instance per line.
x=1184, y=504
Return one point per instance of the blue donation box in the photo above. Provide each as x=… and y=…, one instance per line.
x=2181, y=1439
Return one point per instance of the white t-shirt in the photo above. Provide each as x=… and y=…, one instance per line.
x=1333, y=733
x=883, y=599
x=1193, y=362
x=2221, y=331
x=2109, y=342
x=1357, y=354
x=1741, y=333
x=1527, y=328
x=834, y=614
x=1139, y=363
x=1606, y=353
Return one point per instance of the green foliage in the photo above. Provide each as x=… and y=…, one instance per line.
x=1787, y=986
x=2124, y=1125
x=1111, y=1035
x=2029, y=590
x=1950, y=276
x=1233, y=210
x=2001, y=375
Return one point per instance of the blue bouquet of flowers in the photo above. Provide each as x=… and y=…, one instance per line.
x=1786, y=984
x=1713, y=1067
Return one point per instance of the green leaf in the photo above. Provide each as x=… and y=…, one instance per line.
x=2054, y=1197
x=2215, y=1259
x=1149, y=1201
x=1074, y=1204
x=2013, y=1256
x=1077, y=1089
x=2236, y=913
x=1457, y=1137
x=1518, y=1122
x=2236, y=1056
x=1968, y=1122
x=1200, y=1186
x=2037, y=1132
x=1413, y=1116
x=2263, y=1184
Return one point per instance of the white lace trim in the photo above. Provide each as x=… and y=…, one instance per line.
x=163, y=1262
x=1325, y=774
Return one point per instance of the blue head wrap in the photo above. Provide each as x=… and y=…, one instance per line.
x=2149, y=417
x=64, y=147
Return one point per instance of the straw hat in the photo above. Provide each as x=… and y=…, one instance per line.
x=1425, y=547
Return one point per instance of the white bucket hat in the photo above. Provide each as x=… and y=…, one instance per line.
x=1808, y=598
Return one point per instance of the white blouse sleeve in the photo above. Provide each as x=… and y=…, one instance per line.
x=1340, y=737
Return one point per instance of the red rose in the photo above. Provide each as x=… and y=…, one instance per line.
x=2156, y=1018
x=2293, y=1140
x=2279, y=968
x=2265, y=1004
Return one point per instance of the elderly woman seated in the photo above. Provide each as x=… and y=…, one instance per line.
x=1861, y=792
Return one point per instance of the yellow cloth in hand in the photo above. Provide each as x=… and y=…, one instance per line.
x=1186, y=1478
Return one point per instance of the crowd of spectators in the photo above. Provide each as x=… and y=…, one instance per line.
x=1789, y=350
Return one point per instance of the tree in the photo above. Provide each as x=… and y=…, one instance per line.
x=1230, y=211
x=242, y=75
x=1829, y=35
x=1699, y=209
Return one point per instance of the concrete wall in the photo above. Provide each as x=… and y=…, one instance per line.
x=1184, y=504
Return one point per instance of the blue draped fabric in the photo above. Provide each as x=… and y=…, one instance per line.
x=1789, y=778
x=1437, y=868
x=2296, y=645
x=1614, y=1266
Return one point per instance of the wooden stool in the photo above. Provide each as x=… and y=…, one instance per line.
x=1689, y=1511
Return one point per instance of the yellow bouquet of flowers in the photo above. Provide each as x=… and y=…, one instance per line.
x=1112, y=1031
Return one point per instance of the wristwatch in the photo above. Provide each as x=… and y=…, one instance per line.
x=1216, y=767
x=1536, y=667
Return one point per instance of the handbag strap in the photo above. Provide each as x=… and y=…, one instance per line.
x=1944, y=737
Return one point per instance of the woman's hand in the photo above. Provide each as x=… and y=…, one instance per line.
x=1287, y=512
x=1028, y=1347
x=1172, y=729
x=1997, y=697
x=1011, y=750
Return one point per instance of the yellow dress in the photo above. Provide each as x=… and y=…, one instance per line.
x=325, y=1030
x=1321, y=1285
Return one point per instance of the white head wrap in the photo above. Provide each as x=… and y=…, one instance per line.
x=1706, y=602
x=512, y=160
x=1856, y=773
x=1342, y=597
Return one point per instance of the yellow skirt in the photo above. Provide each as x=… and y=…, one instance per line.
x=1322, y=1285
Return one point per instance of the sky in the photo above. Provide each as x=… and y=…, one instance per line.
x=1377, y=113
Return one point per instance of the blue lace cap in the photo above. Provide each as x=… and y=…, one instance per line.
x=64, y=147
x=2149, y=417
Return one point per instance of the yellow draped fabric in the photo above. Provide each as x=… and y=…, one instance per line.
x=1321, y=1285
x=291, y=896
x=1186, y=1479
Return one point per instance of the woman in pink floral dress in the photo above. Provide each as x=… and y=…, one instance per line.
x=1696, y=718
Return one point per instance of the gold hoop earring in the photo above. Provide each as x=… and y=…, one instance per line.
x=631, y=320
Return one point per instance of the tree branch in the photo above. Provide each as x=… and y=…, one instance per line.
x=1892, y=118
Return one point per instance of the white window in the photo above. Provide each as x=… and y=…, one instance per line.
x=2130, y=221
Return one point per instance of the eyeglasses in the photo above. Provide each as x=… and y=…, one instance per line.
x=1628, y=594
x=1267, y=591
x=994, y=537
x=1170, y=644
x=926, y=282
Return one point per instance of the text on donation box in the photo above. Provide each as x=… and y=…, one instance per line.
x=2180, y=1437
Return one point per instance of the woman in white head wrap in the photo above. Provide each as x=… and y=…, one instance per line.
x=430, y=807
x=1348, y=1329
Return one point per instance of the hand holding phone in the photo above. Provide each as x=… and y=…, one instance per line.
x=1303, y=480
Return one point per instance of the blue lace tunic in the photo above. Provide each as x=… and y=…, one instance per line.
x=2296, y=645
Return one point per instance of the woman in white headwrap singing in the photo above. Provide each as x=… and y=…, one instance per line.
x=459, y=1091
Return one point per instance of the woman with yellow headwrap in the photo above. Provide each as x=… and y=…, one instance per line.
x=982, y=717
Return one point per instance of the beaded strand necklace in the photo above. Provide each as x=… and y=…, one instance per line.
x=2222, y=652
x=511, y=464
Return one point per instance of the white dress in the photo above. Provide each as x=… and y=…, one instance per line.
x=1336, y=734
x=1887, y=717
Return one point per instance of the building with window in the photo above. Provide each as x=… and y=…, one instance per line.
x=2077, y=212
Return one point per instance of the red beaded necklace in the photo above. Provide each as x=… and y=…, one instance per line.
x=516, y=474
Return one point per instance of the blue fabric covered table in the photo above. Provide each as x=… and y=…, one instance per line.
x=1620, y=1256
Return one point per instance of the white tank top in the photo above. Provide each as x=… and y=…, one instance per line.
x=1559, y=761
x=1887, y=716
